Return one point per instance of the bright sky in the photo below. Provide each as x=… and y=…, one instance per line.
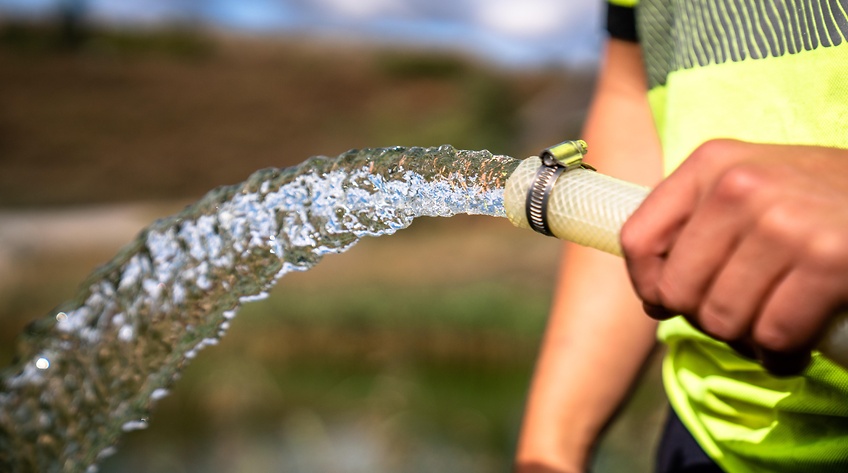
x=510, y=32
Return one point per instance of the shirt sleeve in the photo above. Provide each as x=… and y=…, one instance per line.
x=621, y=20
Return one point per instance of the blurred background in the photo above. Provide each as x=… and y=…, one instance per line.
x=409, y=353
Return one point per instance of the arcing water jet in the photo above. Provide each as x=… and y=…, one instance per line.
x=92, y=369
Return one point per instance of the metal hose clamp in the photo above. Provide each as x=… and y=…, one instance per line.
x=556, y=160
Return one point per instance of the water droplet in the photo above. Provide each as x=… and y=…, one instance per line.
x=254, y=297
x=126, y=333
x=42, y=363
x=134, y=425
x=61, y=316
x=106, y=452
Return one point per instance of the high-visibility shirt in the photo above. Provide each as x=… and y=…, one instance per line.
x=768, y=71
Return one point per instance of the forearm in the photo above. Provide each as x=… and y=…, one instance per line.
x=596, y=341
x=597, y=337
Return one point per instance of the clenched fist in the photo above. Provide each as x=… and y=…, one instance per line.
x=749, y=242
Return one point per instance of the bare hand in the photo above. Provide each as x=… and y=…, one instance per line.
x=750, y=243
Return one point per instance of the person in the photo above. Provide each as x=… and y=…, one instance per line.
x=747, y=239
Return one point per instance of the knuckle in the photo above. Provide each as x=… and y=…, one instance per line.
x=712, y=150
x=739, y=184
x=827, y=250
x=632, y=244
x=779, y=223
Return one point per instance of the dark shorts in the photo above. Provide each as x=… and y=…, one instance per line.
x=680, y=453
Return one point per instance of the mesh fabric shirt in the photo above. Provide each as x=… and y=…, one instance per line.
x=772, y=71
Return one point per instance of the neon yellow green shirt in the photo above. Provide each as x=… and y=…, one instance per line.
x=772, y=71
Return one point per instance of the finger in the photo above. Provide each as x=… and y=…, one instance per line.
x=737, y=294
x=793, y=318
x=701, y=250
x=650, y=232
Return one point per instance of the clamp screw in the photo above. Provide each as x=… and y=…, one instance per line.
x=556, y=160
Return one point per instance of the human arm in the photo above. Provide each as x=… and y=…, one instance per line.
x=750, y=242
x=597, y=338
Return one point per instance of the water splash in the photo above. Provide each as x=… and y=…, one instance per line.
x=93, y=368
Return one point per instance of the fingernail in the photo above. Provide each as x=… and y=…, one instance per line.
x=784, y=364
x=744, y=349
x=657, y=312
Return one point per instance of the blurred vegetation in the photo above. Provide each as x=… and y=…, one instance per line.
x=411, y=353
x=405, y=66
x=128, y=115
x=70, y=36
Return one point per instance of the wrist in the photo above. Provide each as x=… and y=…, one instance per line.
x=537, y=467
x=537, y=464
x=547, y=447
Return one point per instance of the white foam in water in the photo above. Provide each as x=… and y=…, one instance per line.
x=134, y=425
x=253, y=298
x=126, y=333
x=180, y=284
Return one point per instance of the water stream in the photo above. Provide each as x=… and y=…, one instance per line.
x=93, y=368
